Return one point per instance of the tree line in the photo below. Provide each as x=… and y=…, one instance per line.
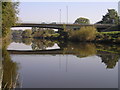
x=111, y=17
x=28, y=33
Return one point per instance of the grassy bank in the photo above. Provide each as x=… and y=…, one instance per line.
x=90, y=34
x=113, y=36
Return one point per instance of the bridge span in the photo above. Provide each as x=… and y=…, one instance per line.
x=62, y=26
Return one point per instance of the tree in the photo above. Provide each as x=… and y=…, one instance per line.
x=27, y=33
x=110, y=18
x=10, y=68
x=82, y=20
x=50, y=31
x=9, y=16
x=86, y=33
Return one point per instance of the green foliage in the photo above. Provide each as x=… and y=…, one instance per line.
x=10, y=68
x=112, y=32
x=50, y=31
x=111, y=17
x=55, y=35
x=87, y=33
x=27, y=41
x=109, y=53
x=41, y=44
x=81, y=49
x=108, y=36
x=45, y=33
x=82, y=20
x=38, y=33
x=9, y=16
x=27, y=33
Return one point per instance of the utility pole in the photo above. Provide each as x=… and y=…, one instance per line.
x=67, y=13
x=60, y=16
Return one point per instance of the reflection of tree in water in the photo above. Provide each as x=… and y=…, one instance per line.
x=41, y=44
x=110, y=60
x=17, y=39
x=81, y=49
x=27, y=41
x=36, y=44
x=10, y=68
x=108, y=47
x=109, y=54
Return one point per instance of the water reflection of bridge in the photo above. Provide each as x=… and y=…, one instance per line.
x=53, y=52
x=109, y=58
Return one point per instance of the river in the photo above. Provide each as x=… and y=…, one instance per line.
x=74, y=65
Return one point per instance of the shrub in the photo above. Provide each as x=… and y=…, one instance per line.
x=86, y=33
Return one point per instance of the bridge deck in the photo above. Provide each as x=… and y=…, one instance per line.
x=61, y=25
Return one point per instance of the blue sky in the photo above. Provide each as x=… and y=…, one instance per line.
x=50, y=11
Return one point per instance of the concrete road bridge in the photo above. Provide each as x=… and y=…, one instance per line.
x=62, y=26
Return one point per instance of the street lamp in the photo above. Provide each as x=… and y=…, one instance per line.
x=67, y=13
x=60, y=15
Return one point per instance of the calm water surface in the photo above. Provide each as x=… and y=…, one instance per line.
x=82, y=65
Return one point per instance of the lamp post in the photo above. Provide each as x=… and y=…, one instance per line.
x=67, y=13
x=60, y=16
x=119, y=12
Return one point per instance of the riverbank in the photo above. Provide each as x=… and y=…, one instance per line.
x=84, y=34
x=91, y=34
x=108, y=37
x=100, y=37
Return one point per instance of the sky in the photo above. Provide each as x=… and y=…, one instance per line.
x=66, y=0
x=48, y=12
